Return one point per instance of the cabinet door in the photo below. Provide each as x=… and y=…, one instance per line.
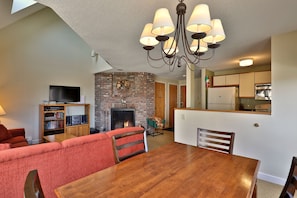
x=219, y=80
x=263, y=77
x=247, y=85
x=83, y=129
x=232, y=79
x=73, y=130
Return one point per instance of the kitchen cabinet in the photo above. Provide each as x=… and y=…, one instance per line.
x=263, y=77
x=226, y=80
x=232, y=79
x=219, y=80
x=247, y=85
x=78, y=130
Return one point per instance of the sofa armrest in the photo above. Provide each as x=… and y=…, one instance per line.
x=17, y=132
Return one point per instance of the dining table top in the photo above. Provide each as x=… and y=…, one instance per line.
x=173, y=170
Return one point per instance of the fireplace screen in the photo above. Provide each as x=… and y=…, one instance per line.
x=121, y=118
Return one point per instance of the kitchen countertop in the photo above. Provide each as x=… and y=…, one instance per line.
x=232, y=111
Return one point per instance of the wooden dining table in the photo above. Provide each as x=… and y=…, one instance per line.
x=174, y=170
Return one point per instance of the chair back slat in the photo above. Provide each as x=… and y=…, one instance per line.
x=216, y=140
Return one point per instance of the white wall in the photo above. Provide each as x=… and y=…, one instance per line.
x=36, y=52
x=274, y=142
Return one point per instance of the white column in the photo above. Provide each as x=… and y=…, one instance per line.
x=190, y=86
x=203, y=88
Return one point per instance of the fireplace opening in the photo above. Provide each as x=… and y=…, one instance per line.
x=121, y=118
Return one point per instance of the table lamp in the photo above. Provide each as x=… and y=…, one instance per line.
x=2, y=112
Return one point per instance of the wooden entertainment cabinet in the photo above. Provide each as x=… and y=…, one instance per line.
x=72, y=119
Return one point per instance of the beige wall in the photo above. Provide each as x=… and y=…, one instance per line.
x=36, y=52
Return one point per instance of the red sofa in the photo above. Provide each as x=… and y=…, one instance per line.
x=12, y=138
x=57, y=163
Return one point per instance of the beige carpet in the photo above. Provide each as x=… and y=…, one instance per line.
x=265, y=189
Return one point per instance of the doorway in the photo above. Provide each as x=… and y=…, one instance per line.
x=160, y=100
x=172, y=104
x=183, y=96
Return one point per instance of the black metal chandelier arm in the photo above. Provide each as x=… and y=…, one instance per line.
x=193, y=61
x=154, y=66
x=171, y=67
x=185, y=59
x=185, y=42
x=172, y=45
x=169, y=61
x=211, y=56
x=151, y=58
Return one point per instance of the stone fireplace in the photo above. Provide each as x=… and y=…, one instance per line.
x=123, y=90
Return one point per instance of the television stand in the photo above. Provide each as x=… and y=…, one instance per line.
x=54, y=119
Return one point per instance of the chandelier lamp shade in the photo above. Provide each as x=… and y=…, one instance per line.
x=2, y=112
x=205, y=34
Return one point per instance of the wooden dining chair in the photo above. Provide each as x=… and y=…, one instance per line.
x=216, y=140
x=32, y=187
x=129, y=144
x=291, y=183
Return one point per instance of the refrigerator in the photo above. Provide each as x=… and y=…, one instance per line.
x=223, y=98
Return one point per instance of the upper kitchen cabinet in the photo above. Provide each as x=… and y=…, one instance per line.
x=226, y=80
x=247, y=85
x=263, y=77
x=232, y=79
x=219, y=81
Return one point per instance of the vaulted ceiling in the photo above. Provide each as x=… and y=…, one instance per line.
x=113, y=28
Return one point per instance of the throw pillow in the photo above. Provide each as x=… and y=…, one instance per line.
x=4, y=134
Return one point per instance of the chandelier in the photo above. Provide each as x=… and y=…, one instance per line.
x=206, y=34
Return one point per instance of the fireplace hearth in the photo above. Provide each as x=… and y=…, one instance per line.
x=122, y=117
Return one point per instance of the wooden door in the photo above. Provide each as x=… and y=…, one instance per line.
x=183, y=97
x=172, y=103
x=160, y=100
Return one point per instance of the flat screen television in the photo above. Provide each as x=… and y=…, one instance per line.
x=64, y=94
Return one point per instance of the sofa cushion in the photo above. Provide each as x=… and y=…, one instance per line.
x=4, y=146
x=14, y=140
x=19, y=144
x=4, y=134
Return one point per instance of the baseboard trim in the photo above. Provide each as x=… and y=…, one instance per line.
x=271, y=178
x=38, y=141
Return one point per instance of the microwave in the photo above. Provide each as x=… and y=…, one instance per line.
x=263, y=92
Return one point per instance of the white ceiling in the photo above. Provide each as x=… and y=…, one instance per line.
x=113, y=28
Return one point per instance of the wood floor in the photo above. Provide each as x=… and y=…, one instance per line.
x=265, y=189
